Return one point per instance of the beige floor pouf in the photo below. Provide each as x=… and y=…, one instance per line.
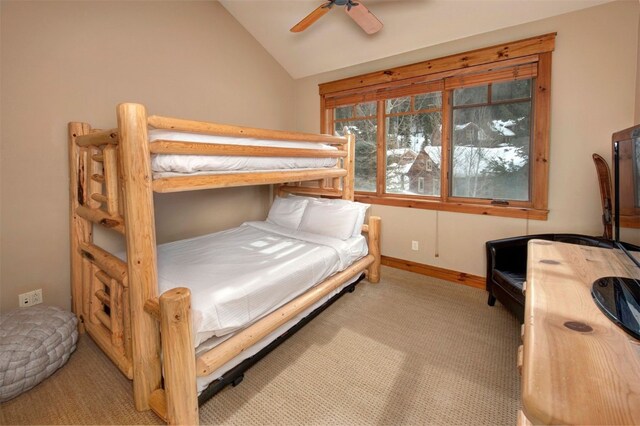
x=34, y=343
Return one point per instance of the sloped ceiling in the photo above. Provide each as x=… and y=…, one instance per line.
x=335, y=41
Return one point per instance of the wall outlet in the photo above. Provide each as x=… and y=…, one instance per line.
x=36, y=296
x=30, y=298
x=414, y=245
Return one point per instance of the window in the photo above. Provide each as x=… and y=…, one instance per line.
x=360, y=119
x=411, y=123
x=465, y=133
x=490, y=141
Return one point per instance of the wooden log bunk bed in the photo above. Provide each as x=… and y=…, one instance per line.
x=149, y=335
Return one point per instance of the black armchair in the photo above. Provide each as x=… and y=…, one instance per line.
x=507, y=266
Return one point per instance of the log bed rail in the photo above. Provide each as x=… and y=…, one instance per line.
x=117, y=301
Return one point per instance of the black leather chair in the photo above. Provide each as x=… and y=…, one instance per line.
x=507, y=266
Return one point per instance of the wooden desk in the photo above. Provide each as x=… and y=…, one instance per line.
x=578, y=367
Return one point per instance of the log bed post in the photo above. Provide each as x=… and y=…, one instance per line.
x=179, y=357
x=80, y=228
x=373, y=271
x=349, y=165
x=141, y=249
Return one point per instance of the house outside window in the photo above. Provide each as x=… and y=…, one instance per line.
x=471, y=138
x=361, y=120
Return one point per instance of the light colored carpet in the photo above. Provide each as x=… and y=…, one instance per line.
x=410, y=350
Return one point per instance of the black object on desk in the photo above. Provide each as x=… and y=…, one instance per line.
x=619, y=299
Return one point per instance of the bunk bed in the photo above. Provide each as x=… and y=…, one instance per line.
x=148, y=330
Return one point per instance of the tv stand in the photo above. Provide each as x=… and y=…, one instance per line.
x=578, y=367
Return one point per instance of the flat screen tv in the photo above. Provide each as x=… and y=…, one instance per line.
x=619, y=297
x=626, y=172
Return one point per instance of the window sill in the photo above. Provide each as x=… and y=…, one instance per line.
x=481, y=209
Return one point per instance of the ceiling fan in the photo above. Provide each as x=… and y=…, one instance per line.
x=357, y=11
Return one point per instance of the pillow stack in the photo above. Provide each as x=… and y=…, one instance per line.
x=340, y=219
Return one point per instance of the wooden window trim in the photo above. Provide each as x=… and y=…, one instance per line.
x=528, y=58
x=492, y=56
x=451, y=206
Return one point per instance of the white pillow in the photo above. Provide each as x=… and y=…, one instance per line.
x=333, y=219
x=362, y=209
x=287, y=212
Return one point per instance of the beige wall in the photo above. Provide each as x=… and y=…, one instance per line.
x=74, y=61
x=637, y=116
x=593, y=95
x=64, y=61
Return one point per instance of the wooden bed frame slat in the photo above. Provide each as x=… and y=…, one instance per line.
x=98, y=138
x=103, y=297
x=195, y=148
x=111, y=185
x=101, y=218
x=181, y=125
x=158, y=403
x=193, y=183
x=104, y=319
x=110, y=264
x=152, y=307
x=310, y=190
x=111, y=179
x=103, y=339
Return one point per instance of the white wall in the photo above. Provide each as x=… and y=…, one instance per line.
x=75, y=61
x=593, y=94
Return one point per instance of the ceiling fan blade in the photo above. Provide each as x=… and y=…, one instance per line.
x=363, y=17
x=310, y=18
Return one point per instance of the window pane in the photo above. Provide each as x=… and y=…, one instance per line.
x=491, y=151
x=471, y=95
x=398, y=105
x=413, y=154
x=366, y=110
x=428, y=101
x=519, y=89
x=365, y=161
x=343, y=112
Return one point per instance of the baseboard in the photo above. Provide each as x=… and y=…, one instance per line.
x=436, y=272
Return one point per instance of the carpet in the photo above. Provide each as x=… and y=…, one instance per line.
x=409, y=350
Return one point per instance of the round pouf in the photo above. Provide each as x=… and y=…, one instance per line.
x=34, y=343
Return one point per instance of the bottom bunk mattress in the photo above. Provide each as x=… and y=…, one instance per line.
x=239, y=275
x=204, y=382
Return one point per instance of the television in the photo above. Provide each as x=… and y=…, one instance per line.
x=626, y=182
x=619, y=297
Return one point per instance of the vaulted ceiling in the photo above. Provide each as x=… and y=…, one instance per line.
x=335, y=41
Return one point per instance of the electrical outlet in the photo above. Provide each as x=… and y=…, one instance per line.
x=36, y=296
x=414, y=245
x=30, y=298
x=24, y=299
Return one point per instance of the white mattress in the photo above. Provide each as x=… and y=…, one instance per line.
x=163, y=165
x=239, y=275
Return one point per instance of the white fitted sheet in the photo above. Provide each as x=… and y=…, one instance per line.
x=203, y=382
x=164, y=165
x=239, y=275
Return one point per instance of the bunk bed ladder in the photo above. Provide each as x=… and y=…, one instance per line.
x=100, y=289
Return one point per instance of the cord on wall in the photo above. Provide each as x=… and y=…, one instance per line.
x=437, y=242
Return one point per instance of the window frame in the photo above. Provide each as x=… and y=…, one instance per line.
x=528, y=58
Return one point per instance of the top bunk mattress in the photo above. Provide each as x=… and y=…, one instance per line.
x=239, y=275
x=169, y=165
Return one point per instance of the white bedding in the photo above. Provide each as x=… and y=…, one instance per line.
x=203, y=382
x=239, y=275
x=164, y=165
